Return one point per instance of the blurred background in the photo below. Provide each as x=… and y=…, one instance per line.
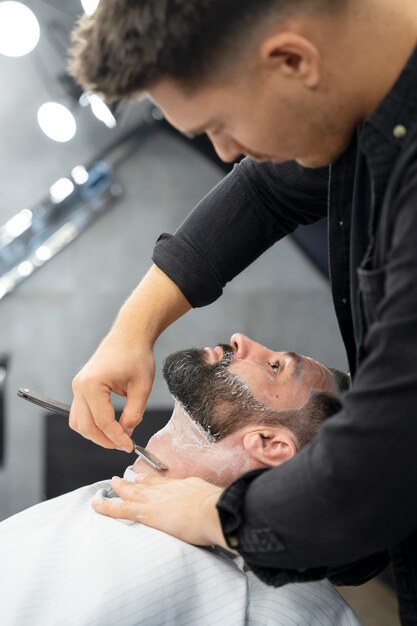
x=85, y=192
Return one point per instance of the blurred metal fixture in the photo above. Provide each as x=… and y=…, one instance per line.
x=34, y=236
x=4, y=361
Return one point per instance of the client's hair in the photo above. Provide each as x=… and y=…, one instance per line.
x=222, y=403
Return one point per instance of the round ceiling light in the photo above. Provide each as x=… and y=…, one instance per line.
x=56, y=121
x=19, y=29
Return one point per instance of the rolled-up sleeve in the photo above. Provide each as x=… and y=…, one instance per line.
x=247, y=212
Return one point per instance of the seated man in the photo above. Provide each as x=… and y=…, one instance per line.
x=63, y=563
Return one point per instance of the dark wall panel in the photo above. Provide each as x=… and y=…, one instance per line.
x=72, y=461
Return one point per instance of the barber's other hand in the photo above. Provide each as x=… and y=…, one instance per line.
x=121, y=366
x=183, y=508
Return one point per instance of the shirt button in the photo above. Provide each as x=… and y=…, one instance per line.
x=233, y=541
x=341, y=223
x=344, y=300
x=399, y=131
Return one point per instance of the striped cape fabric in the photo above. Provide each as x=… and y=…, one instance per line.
x=63, y=563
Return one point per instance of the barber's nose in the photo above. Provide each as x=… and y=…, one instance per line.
x=244, y=346
x=227, y=149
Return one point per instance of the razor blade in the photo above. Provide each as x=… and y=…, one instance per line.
x=64, y=409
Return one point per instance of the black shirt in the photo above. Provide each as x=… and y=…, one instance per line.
x=350, y=492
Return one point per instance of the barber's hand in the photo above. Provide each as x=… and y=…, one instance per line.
x=124, y=363
x=183, y=508
x=121, y=366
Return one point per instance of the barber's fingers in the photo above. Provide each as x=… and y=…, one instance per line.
x=123, y=367
x=134, y=409
x=154, y=492
x=94, y=418
x=138, y=388
x=105, y=420
x=124, y=509
x=164, y=504
x=133, y=507
x=81, y=420
x=141, y=488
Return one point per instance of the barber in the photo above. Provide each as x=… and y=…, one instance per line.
x=322, y=97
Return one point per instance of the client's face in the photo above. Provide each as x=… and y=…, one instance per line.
x=281, y=380
x=245, y=375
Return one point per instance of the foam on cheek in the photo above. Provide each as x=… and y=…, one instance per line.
x=185, y=432
x=206, y=458
x=234, y=462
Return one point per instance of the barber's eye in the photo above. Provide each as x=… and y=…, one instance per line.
x=275, y=366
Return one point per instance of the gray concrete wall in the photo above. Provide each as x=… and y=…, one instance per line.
x=54, y=321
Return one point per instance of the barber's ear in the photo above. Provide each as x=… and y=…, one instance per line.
x=293, y=56
x=270, y=446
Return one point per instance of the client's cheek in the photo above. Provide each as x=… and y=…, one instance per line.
x=191, y=457
x=160, y=445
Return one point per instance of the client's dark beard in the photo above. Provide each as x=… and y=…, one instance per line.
x=204, y=389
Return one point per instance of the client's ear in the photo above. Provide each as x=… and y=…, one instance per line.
x=270, y=445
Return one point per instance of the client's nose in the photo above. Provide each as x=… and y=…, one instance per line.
x=243, y=346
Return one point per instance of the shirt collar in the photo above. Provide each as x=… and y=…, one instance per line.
x=396, y=115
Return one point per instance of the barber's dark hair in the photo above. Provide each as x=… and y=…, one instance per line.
x=128, y=45
x=222, y=404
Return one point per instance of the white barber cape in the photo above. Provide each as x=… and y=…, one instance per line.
x=63, y=563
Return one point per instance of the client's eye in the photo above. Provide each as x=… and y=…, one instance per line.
x=275, y=366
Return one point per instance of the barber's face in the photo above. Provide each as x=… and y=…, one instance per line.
x=268, y=123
